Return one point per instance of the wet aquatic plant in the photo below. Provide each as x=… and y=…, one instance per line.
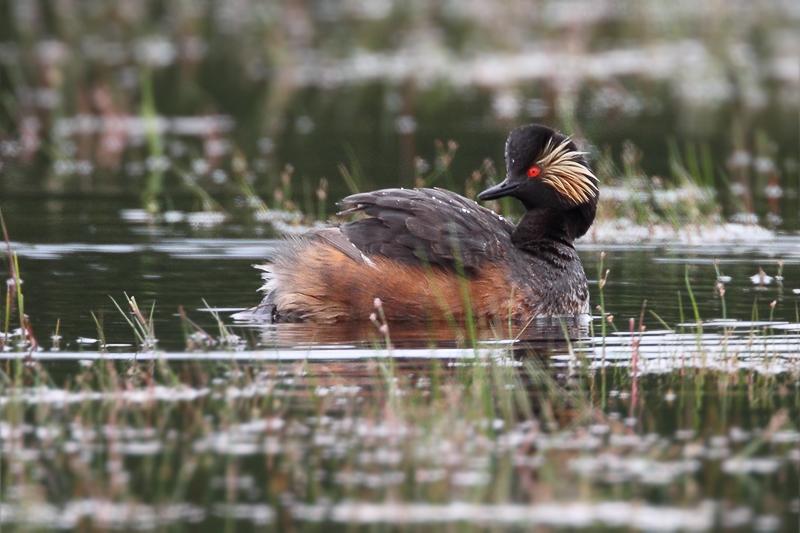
x=195, y=337
x=692, y=300
x=55, y=337
x=207, y=202
x=352, y=173
x=720, y=289
x=226, y=338
x=155, y=179
x=378, y=319
x=14, y=298
x=282, y=193
x=141, y=325
x=101, y=334
x=445, y=152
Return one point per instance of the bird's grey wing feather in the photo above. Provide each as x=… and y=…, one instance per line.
x=420, y=226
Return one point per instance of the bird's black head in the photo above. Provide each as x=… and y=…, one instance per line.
x=545, y=169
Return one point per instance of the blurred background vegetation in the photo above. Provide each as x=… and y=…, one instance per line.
x=202, y=105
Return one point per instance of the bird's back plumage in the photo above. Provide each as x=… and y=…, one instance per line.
x=433, y=227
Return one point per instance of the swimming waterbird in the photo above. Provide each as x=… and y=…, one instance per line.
x=430, y=253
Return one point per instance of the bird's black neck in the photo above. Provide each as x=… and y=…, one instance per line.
x=542, y=225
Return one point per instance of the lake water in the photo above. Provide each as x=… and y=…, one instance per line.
x=135, y=140
x=78, y=253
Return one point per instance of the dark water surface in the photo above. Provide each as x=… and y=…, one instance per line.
x=144, y=150
x=78, y=252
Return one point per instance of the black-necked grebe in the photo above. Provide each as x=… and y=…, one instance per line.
x=432, y=254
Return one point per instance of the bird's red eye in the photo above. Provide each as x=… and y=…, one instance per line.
x=534, y=171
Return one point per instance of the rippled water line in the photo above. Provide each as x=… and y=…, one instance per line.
x=48, y=396
x=737, y=343
x=782, y=247
x=551, y=514
x=257, y=249
x=118, y=515
x=314, y=354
